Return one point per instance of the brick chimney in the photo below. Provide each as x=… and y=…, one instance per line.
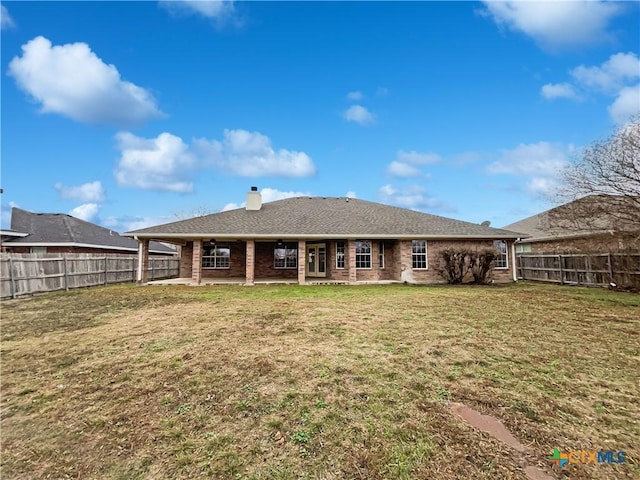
x=254, y=199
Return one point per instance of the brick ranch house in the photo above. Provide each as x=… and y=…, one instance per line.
x=61, y=233
x=582, y=226
x=320, y=239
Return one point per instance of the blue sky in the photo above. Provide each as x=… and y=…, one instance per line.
x=131, y=114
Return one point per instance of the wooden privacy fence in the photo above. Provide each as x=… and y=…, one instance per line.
x=27, y=273
x=601, y=269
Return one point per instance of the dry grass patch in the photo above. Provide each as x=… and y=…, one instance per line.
x=328, y=382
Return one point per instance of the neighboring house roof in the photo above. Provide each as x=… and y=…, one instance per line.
x=317, y=217
x=12, y=234
x=591, y=215
x=49, y=229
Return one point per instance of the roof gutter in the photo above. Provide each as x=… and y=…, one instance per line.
x=288, y=236
x=74, y=244
x=565, y=237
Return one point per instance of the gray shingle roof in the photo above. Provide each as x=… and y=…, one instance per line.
x=323, y=216
x=589, y=215
x=59, y=228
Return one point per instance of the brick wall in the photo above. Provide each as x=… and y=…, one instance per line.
x=237, y=263
x=265, y=261
x=196, y=261
x=434, y=252
x=397, y=256
x=333, y=273
x=186, y=256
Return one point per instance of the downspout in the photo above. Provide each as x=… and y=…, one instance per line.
x=513, y=263
x=140, y=255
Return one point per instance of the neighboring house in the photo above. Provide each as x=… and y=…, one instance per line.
x=61, y=233
x=593, y=224
x=321, y=239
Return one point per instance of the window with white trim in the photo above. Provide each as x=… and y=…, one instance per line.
x=419, y=255
x=285, y=255
x=502, y=259
x=340, y=254
x=38, y=249
x=363, y=254
x=381, y=254
x=216, y=256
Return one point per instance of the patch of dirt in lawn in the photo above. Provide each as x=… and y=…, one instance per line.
x=495, y=428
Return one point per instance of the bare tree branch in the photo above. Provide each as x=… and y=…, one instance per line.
x=601, y=189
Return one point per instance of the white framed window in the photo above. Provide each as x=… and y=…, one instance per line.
x=363, y=254
x=216, y=257
x=419, y=255
x=523, y=248
x=381, y=254
x=285, y=255
x=340, y=254
x=38, y=249
x=502, y=258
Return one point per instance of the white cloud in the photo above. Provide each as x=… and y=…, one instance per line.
x=268, y=195
x=539, y=159
x=166, y=163
x=626, y=105
x=552, y=91
x=87, y=192
x=163, y=163
x=5, y=212
x=233, y=206
x=403, y=170
x=128, y=223
x=351, y=194
x=359, y=114
x=541, y=163
x=412, y=196
x=556, y=24
x=612, y=75
x=213, y=9
x=250, y=154
x=272, y=194
x=87, y=212
x=543, y=186
x=417, y=158
x=5, y=19
x=404, y=166
x=73, y=81
x=355, y=96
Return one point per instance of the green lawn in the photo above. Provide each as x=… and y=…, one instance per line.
x=322, y=382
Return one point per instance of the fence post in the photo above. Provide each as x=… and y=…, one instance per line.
x=153, y=276
x=610, y=267
x=560, y=260
x=105, y=269
x=66, y=279
x=133, y=268
x=519, y=258
x=13, y=280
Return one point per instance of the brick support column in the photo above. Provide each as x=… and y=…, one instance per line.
x=302, y=262
x=251, y=262
x=351, y=257
x=186, y=260
x=143, y=261
x=196, y=262
x=406, y=260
